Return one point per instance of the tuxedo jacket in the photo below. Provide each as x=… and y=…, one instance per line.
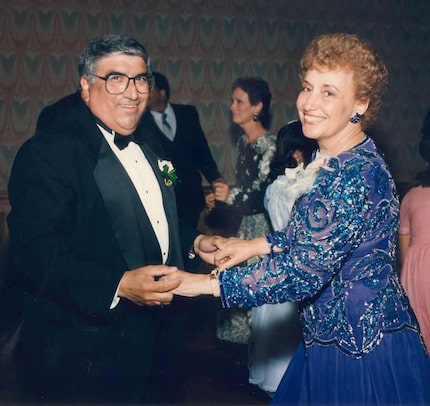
x=76, y=225
x=190, y=154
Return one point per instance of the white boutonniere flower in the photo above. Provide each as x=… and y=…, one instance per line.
x=168, y=172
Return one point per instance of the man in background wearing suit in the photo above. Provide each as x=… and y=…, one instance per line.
x=175, y=133
x=95, y=238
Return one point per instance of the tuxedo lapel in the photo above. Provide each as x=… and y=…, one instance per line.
x=130, y=222
x=169, y=202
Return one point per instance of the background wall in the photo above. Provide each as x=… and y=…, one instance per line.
x=202, y=46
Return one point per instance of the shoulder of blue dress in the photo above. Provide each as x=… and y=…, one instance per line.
x=366, y=149
x=367, y=146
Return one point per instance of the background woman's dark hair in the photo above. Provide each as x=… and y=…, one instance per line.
x=290, y=138
x=425, y=130
x=258, y=91
x=423, y=177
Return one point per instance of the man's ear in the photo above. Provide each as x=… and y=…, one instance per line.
x=162, y=93
x=85, y=86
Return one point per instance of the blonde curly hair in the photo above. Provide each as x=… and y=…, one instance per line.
x=333, y=51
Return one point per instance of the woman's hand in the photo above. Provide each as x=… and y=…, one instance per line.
x=221, y=190
x=235, y=250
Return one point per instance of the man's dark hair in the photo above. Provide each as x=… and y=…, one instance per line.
x=161, y=83
x=109, y=45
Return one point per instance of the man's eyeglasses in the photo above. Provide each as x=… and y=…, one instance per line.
x=117, y=83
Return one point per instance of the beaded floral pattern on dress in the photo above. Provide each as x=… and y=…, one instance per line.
x=252, y=170
x=338, y=260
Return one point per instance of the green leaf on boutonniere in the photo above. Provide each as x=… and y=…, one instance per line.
x=168, y=172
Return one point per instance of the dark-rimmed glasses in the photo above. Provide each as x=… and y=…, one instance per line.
x=117, y=83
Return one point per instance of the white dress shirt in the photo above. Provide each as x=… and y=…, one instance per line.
x=144, y=180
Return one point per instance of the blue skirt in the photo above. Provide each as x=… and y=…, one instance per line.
x=396, y=372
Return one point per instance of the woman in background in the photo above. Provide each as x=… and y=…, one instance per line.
x=250, y=104
x=414, y=243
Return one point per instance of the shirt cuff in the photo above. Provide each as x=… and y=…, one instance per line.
x=115, y=300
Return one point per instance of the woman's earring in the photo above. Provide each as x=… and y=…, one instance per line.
x=255, y=118
x=356, y=118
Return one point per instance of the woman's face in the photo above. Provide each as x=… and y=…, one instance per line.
x=325, y=104
x=241, y=108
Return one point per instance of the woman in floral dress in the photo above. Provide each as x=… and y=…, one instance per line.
x=250, y=103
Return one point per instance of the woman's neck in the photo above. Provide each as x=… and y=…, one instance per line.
x=254, y=131
x=343, y=142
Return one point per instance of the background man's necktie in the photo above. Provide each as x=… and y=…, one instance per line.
x=167, y=127
x=165, y=122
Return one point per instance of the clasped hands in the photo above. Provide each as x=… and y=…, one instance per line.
x=223, y=253
x=156, y=285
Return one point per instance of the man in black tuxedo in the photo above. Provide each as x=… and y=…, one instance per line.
x=174, y=132
x=95, y=237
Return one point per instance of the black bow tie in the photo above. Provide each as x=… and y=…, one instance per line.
x=121, y=141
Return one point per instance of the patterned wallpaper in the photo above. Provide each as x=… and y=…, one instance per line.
x=202, y=46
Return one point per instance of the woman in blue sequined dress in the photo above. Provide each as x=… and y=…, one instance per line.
x=361, y=340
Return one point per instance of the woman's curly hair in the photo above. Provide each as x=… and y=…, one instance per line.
x=333, y=51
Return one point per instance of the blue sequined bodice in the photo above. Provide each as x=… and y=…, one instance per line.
x=338, y=260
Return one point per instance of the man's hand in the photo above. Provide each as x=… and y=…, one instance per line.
x=149, y=285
